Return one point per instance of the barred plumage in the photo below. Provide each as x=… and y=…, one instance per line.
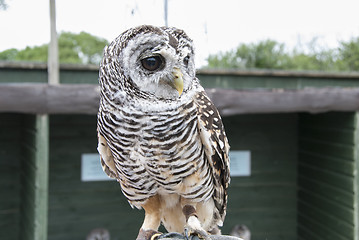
x=159, y=134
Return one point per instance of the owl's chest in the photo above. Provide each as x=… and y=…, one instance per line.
x=159, y=137
x=156, y=136
x=164, y=148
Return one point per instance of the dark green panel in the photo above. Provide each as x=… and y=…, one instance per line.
x=316, y=229
x=280, y=79
x=337, y=195
x=23, y=75
x=10, y=135
x=68, y=76
x=37, y=73
x=76, y=207
x=265, y=201
x=326, y=176
x=356, y=177
x=338, y=165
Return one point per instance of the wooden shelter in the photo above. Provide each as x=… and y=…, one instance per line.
x=301, y=130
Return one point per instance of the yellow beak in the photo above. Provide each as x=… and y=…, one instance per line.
x=177, y=80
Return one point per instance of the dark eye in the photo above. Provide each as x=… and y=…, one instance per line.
x=152, y=63
x=186, y=60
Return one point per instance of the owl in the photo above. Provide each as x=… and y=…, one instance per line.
x=160, y=135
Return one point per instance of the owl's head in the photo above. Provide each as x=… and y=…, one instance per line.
x=156, y=61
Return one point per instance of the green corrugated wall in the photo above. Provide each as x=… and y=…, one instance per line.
x=76, y=207
x=265, y=201
x=10, y=150
x=23, y=176
x=328, y=176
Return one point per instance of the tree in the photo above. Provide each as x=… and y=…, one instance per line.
x=265, y=54
x=9, y=54
x=349, y=54
x=34, y=54
x=80, y=48
x=322, y=60
x=270, y=54
x=73, y=48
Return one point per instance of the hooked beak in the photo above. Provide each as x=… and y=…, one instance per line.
x=177, y=81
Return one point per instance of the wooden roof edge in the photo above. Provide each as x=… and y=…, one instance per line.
x=84, y=99
x=43, y=66
x=204, y=71
x=278, y=73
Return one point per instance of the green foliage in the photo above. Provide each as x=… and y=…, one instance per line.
x=9, y=54
x=266, y=54
x=349, y=54
x=323, y=60
x=73, y=48
x=270, y=54
x=34, y=54
x=80, y=48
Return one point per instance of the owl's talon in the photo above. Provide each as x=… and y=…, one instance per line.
x=148, y=234
x=195, y=234
x=156, y=236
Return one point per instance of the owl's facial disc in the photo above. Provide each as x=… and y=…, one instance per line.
x=158, y=66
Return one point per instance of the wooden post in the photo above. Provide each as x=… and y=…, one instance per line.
x=35, y=157
x=34, y=178
x=166, y=12
x=53, y=57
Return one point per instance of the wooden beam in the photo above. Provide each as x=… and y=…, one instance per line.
x=313, y=100
x=84, y=98
x=279, y=73
x=52, y=99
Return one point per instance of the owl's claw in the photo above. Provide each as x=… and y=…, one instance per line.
x=195, y=234
x=148, y=235
x=156, y=236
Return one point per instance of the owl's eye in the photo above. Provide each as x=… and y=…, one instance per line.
x=152, y=63
x=186, y=60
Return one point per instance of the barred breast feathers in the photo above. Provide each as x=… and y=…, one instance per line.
x=158, y=140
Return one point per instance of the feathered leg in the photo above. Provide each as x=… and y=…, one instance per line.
x=152, y=219
x=193, y=228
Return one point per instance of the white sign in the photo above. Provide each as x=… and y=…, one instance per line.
x=240, y=163
x=91, y=169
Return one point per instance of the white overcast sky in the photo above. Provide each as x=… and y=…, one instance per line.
x=213, y=25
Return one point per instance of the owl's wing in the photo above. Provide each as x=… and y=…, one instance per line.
x=107, y=160
x=216, y=148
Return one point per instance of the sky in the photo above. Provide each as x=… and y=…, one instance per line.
x=215, y=26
